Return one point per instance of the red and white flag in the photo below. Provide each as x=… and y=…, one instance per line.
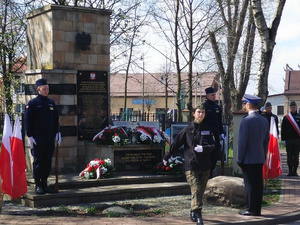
x=19, y=185
x=272, y=166
x=12, y=160
x=6, y=169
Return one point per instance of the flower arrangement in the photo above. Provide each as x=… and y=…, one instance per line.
x=111, y=135
x=174, y=166
x=148, y=135
x=97, y=169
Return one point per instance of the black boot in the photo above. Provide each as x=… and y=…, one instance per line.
x=47, y=189
x=193, y=217
x=295, y=171
x=38, y=187
x=290, y=171
x=198, y=216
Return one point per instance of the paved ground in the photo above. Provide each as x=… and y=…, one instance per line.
x=285, y=211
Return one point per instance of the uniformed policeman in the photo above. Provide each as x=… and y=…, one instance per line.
x=42, y=128
x=290, y=134
x=213, y=119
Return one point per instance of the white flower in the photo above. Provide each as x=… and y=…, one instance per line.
x=108, y=161
x=116, y=139
x=104, y=170
x=143, y=137
x=156, y=139
x=94, y=163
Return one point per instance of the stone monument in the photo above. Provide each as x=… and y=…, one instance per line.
x=70, y=47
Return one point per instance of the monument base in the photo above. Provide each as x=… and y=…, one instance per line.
x=126, y=158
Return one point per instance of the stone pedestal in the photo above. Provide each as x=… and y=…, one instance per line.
x=127, y=158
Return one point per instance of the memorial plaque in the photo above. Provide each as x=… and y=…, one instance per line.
x=92, y=103
x=137, y=160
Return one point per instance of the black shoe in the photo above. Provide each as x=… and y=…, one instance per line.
x=198, y=216
x=49, y=190
x=192, y=216
x=290, y=174
x=248, y=213
x=39, y=190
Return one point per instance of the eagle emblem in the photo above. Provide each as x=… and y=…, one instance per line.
x=83, y=41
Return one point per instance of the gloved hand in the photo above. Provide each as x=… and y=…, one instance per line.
x=31, y=142
x=58, y=138
x=164, y=162
x=223, y=136
x=283, y=142
x=199, y=148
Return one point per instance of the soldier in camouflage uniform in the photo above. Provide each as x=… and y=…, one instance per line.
x=198, y=142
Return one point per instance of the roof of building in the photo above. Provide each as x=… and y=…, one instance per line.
x=292, y=82
x=154, y=84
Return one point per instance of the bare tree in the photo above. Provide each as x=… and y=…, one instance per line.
x=12, y=45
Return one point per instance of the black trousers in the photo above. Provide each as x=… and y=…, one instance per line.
x=292, y=150
x=42, y=157
x=253, y=179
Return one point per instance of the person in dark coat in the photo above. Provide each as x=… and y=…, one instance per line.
x=42, y=128
x=290, y=135
x=213, y=119
x=252, y=150
x=198, y=142
x=267, y=113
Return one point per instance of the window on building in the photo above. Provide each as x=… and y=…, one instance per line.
x=280, y=110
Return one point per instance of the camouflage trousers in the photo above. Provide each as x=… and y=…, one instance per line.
x=197, y=181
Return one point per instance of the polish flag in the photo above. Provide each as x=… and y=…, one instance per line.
x=12, y=160
x=272, y=166
x=6, y=169
x=19, y=184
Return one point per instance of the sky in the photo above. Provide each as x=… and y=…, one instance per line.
x=287, y=48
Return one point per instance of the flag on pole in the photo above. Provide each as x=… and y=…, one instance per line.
x=19, y=185
x=12, y=160
x=6, y=158
x=272, y=166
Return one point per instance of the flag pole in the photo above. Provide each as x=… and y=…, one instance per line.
x=1, y=194
x=56, y=168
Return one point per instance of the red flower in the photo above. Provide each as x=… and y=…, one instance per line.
x=90, y=169
x=101, y=162
x=162, y=167
x=116, y=134
x=96, y=167
x=157, y=167
x=167, y=168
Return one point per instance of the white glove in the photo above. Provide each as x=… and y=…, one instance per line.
x=199, y=148
x=223, y=136
x=283, y=142
x=31, y=142
x=164, y=162
x=58, y=138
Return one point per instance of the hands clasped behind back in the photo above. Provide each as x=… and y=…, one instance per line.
x=31, y=142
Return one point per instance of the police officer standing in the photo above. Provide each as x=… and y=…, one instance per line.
x=213, y=119
x=42, y=128
x=290, y=134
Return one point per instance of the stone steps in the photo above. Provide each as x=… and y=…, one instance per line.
x=73, y=190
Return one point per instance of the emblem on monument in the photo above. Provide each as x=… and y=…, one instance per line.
x=83, y=41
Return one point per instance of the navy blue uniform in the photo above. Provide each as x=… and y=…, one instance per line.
x=213, y=119
x=41, y=123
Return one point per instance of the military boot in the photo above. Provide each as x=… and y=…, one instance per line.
x=38, y=187
x=46, y=189
x=295, y=171
x=198, y=216
x=193, y=217
x=290, y=171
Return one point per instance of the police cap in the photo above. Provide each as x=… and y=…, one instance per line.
x=252, y=99
x=41, y=82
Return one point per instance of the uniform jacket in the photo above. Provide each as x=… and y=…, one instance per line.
x=213, y=117
x=287, y=130
x=192, y=135
x=41, y=117
x=268, y=117
x=253, y=139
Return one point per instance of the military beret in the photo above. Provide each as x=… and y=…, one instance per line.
x=252, y=99
x=41, y=82
x=209, y=90
x=268, y=104
x=293, y=103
